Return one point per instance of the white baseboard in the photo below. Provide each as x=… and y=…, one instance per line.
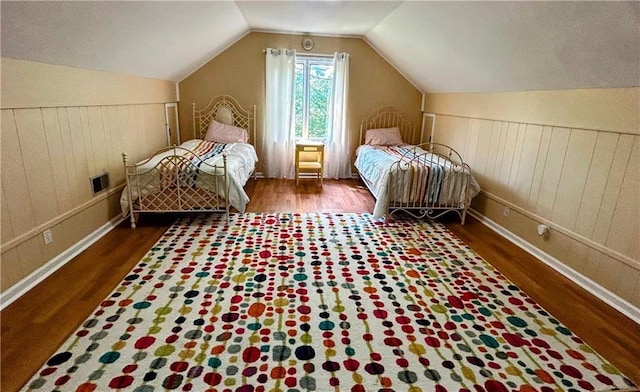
x=594, y=288
x=17, y=290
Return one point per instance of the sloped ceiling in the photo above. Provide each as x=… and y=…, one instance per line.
x=438, y=46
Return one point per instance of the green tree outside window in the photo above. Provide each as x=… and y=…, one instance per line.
x=313, y=87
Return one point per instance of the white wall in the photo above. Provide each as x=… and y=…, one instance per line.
x=61, y=126
x=569, y=159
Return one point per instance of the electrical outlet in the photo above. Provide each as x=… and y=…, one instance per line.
x=48, y=236
x=506, y=211
x=544, y=231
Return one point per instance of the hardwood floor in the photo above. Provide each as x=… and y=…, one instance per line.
x=36, y=324
x=284, y=196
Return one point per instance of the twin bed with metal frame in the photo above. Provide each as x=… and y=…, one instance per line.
x=424, y=180
x=206, y=174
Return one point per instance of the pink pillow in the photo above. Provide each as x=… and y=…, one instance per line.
x=225, y=133
x=383, y=137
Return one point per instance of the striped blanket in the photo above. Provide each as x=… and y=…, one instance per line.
x=187, y=165
x=423, y=175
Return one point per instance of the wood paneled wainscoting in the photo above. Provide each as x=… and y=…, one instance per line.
x=36, y=324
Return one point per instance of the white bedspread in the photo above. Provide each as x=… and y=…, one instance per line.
x=241, y=161
x=374, y=165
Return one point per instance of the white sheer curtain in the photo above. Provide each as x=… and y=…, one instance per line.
x=278, y=142
x=337, y=161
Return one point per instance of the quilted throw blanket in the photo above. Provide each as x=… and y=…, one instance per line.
x=424, y=175
x=188, y=168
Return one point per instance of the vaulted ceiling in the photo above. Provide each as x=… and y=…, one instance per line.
x=439, y=46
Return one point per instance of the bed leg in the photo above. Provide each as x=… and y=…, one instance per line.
x=133, y=221
x=464, y=216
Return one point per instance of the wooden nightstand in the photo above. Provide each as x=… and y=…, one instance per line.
x=309, y=158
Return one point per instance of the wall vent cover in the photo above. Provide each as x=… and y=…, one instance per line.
x=100, y=183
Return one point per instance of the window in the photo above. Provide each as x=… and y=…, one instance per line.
x=313, y=85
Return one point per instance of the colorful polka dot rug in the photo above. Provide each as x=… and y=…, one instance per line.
x=320, y=302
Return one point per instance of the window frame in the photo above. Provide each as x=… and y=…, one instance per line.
x=308, y=60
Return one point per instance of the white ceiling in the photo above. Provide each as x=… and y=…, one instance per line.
x=439, y=46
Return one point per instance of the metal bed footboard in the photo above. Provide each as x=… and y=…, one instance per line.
x=427, y=183
x=176, y=184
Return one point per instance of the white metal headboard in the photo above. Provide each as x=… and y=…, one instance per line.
x=388, y=117
x=224, y=109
